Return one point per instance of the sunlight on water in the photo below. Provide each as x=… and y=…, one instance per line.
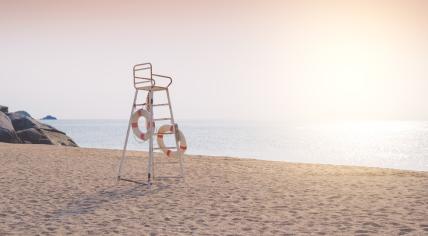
x=391, y=144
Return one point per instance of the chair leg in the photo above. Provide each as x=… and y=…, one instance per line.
x=176, y=134
x=150, y=164
x=122, y=159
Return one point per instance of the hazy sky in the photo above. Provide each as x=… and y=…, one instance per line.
x=241, y=60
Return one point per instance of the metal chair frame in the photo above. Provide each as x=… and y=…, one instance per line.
x=149, y=84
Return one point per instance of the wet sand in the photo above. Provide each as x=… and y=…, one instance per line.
x=61, y=190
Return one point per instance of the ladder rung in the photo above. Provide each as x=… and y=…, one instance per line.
x=161, y=104
x=158, y=148
x=162, y=119
x=163, y=133
x=169, y=177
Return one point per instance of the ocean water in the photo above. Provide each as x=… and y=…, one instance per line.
x=389, y=144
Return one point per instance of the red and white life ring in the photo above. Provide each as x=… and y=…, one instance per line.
x=134, y=123
x=181, y=140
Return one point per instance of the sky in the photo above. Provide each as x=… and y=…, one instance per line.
x=230, y=60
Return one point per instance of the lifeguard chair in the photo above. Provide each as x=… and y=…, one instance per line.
x=148, y=83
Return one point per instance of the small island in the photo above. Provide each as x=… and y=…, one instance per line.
x=49, y=117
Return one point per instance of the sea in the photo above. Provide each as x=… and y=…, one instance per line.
x=386, y=144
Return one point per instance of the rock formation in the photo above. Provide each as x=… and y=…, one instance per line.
x=7, y=132
x=20, y=127
x=4, y=109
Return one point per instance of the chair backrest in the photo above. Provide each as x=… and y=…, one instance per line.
x=143, y=76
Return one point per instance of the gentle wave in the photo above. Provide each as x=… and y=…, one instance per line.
x=389, y=144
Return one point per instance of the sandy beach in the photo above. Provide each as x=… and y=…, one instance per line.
x=63, y=190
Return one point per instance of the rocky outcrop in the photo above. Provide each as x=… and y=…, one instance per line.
x=20, y=127
x=21, y=120
x=41, y=136
x=7, y=132
x=57, y=138
x=18, y=114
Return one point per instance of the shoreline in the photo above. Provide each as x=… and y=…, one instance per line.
x=247, y=158
x=58, y=190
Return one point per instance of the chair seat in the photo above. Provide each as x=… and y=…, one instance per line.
x=153, y=88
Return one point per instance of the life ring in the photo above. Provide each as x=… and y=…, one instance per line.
x=181, y=140
x=134, y=123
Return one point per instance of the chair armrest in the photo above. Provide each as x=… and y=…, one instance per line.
x=165, y=77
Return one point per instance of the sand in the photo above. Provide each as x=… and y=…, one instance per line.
x=62, y=190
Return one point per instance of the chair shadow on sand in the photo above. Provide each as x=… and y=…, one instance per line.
x=89, y=203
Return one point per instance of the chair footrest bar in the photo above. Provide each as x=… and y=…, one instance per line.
x=167, y=162
x=169, y=177
x=133, y=181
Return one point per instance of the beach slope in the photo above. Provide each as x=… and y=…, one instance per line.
x=60, y=190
